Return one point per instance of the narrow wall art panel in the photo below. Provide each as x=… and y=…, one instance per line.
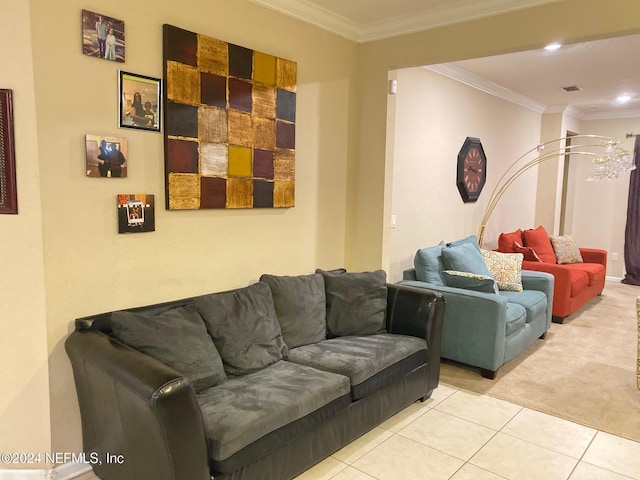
x=229, y=124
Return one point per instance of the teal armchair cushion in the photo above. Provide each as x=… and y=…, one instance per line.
x=428, y=264
x=470, y=281
x=465, y=257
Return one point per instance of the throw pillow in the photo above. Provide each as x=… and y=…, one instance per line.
x=301, y=307
x=470, y=240
x=244, y=328
x=539, y=241
x=470, y=281
x=178, y=338
x=566, y=250
x=428, y=264
x=505, y=268
x=506, y=241
x=529, y=253
x=465, y=257
x=356, y=302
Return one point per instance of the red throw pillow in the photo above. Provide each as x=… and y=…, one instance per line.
x=540, y=242
x=528, y=252
x=506, y=241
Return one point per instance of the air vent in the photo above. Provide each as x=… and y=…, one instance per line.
x=572, y=88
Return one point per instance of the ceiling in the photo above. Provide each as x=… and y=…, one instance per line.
x=602, y=69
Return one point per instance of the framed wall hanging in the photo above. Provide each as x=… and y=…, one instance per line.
x=102, y=36
x=106, y=156
x=8, y=187
x=472, y=170
x=139, y=105
x=229, y=125
x=136, y=213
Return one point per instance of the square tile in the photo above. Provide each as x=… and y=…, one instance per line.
x=183, y=156
x=286, y=74
x=285, y=135
x=183, y=83
x=213, y=90
x=262, y=194
x=586, y=471
x=213, y=159
x=262, y=163
x=213, y=192
x=184, y=191
x=404, y=417
x=516, y=459
x=240, y=96
x=239, y=193
x=362, y=445
x=284, y=193
x=264, y=68
x=182, y=120
x=240, y=61
x=616, y=454
x=213, y=125
x=481, y=409
x=240, y=128
x=471, y=472
x=351, y=473
x=240, y=161
x=324, y=470
x=213, y=56
x=181, y=45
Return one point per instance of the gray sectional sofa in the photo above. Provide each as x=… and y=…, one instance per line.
x=256, y=383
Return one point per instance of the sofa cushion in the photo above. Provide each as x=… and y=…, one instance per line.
x=506, y=269
x=371, y=361
x=596, y=272
x=470, y=281
x=565, y=249
x=428, y=264
x=465, y=257
x=516, y=318
x=356, y=302
x=506, y=241
x=194, y=356
x=470, y=240
x=301, y=307
x=579, y=280
x=529, y=253
x=244, y=328
x=533, y=301
x=261, y=411
x=538, y=239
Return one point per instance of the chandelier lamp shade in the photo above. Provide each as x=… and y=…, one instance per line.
x=610, y=162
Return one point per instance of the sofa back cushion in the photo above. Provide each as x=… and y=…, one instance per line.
x=428, y=264
x=244, y=328
x=356, y=302
x=464, y=257
x=538, y=239
x=506, y=241
x=301, y=307
x=178, y=338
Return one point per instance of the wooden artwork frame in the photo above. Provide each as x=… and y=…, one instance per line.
x=8, y=192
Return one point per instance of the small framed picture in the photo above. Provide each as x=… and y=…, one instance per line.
x=136, y=213
x=105, y=156
x=139, y=101
x=8, y=193
x=102, y=36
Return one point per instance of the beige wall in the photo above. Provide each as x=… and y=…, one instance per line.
x=433, y=116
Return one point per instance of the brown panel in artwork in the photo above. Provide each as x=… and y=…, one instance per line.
x=240, y=61
x=263, y=164
x=262, y=194
x=182, y=156
x=286, y=105
x=213, y=90
x=284, y=165
x=285, y=135
x=240, y=97
x=184, y=191
x=286, y=74
x=183, y=83
x=283, y=194
x=180, y=45
x=212, y=125
x=264, y=101
x=213, y=56
x=240, y=128
x=264, y=133
x=213, y=192
x=181, y=120
x=239, y=193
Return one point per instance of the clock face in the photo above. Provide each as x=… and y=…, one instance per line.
x=472, y=170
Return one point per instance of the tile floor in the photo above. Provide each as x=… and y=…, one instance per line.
x=459, y=435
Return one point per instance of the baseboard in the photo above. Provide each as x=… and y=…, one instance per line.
x=613, y=279
x=68, y=471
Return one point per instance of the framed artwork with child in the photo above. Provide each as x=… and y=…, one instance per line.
x=139, y=101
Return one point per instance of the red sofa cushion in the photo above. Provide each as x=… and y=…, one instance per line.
x=579, y=281
x=528, y=252
x=594, y=271
x=538, y=239
x=506, y=241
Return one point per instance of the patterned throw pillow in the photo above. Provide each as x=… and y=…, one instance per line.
x=506, y=268
x=529, y=253
x=470, y=281
x=566, y=249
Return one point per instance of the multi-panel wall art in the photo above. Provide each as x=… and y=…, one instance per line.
x=229, y=126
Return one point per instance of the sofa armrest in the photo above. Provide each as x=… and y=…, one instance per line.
x=134, y=406
x=594, y=255
x=418, y=312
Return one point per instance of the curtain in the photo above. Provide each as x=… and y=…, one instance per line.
x=632, y=230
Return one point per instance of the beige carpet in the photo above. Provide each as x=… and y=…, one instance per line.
x=584, y=371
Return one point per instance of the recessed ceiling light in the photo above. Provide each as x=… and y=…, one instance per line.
x=553, y=47
x=623, y=98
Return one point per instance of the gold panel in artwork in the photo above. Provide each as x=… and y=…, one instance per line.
x=184, y=191
x=284, y=165
x=264, y=101
x=213, y=55
x=286, y=74
x=240, y=128
x=283, y=194
x=240, y=161
x=264, y=133
x=264, y=68
x=212, y=124
x=213, y=159
x=239, y=193
x=183, y=83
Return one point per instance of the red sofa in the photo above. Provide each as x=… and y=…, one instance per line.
x=575, y=283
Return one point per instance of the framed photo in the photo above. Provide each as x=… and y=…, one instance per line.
x=8, y=193
x=106, y=156
x=102, y=36
x=139, y=101
x=136, y=213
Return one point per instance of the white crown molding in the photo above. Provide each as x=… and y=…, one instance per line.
x=484, y=85
x=612, y=115
x=447, y=14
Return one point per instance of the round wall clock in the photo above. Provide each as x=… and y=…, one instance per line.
x=472, y=170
